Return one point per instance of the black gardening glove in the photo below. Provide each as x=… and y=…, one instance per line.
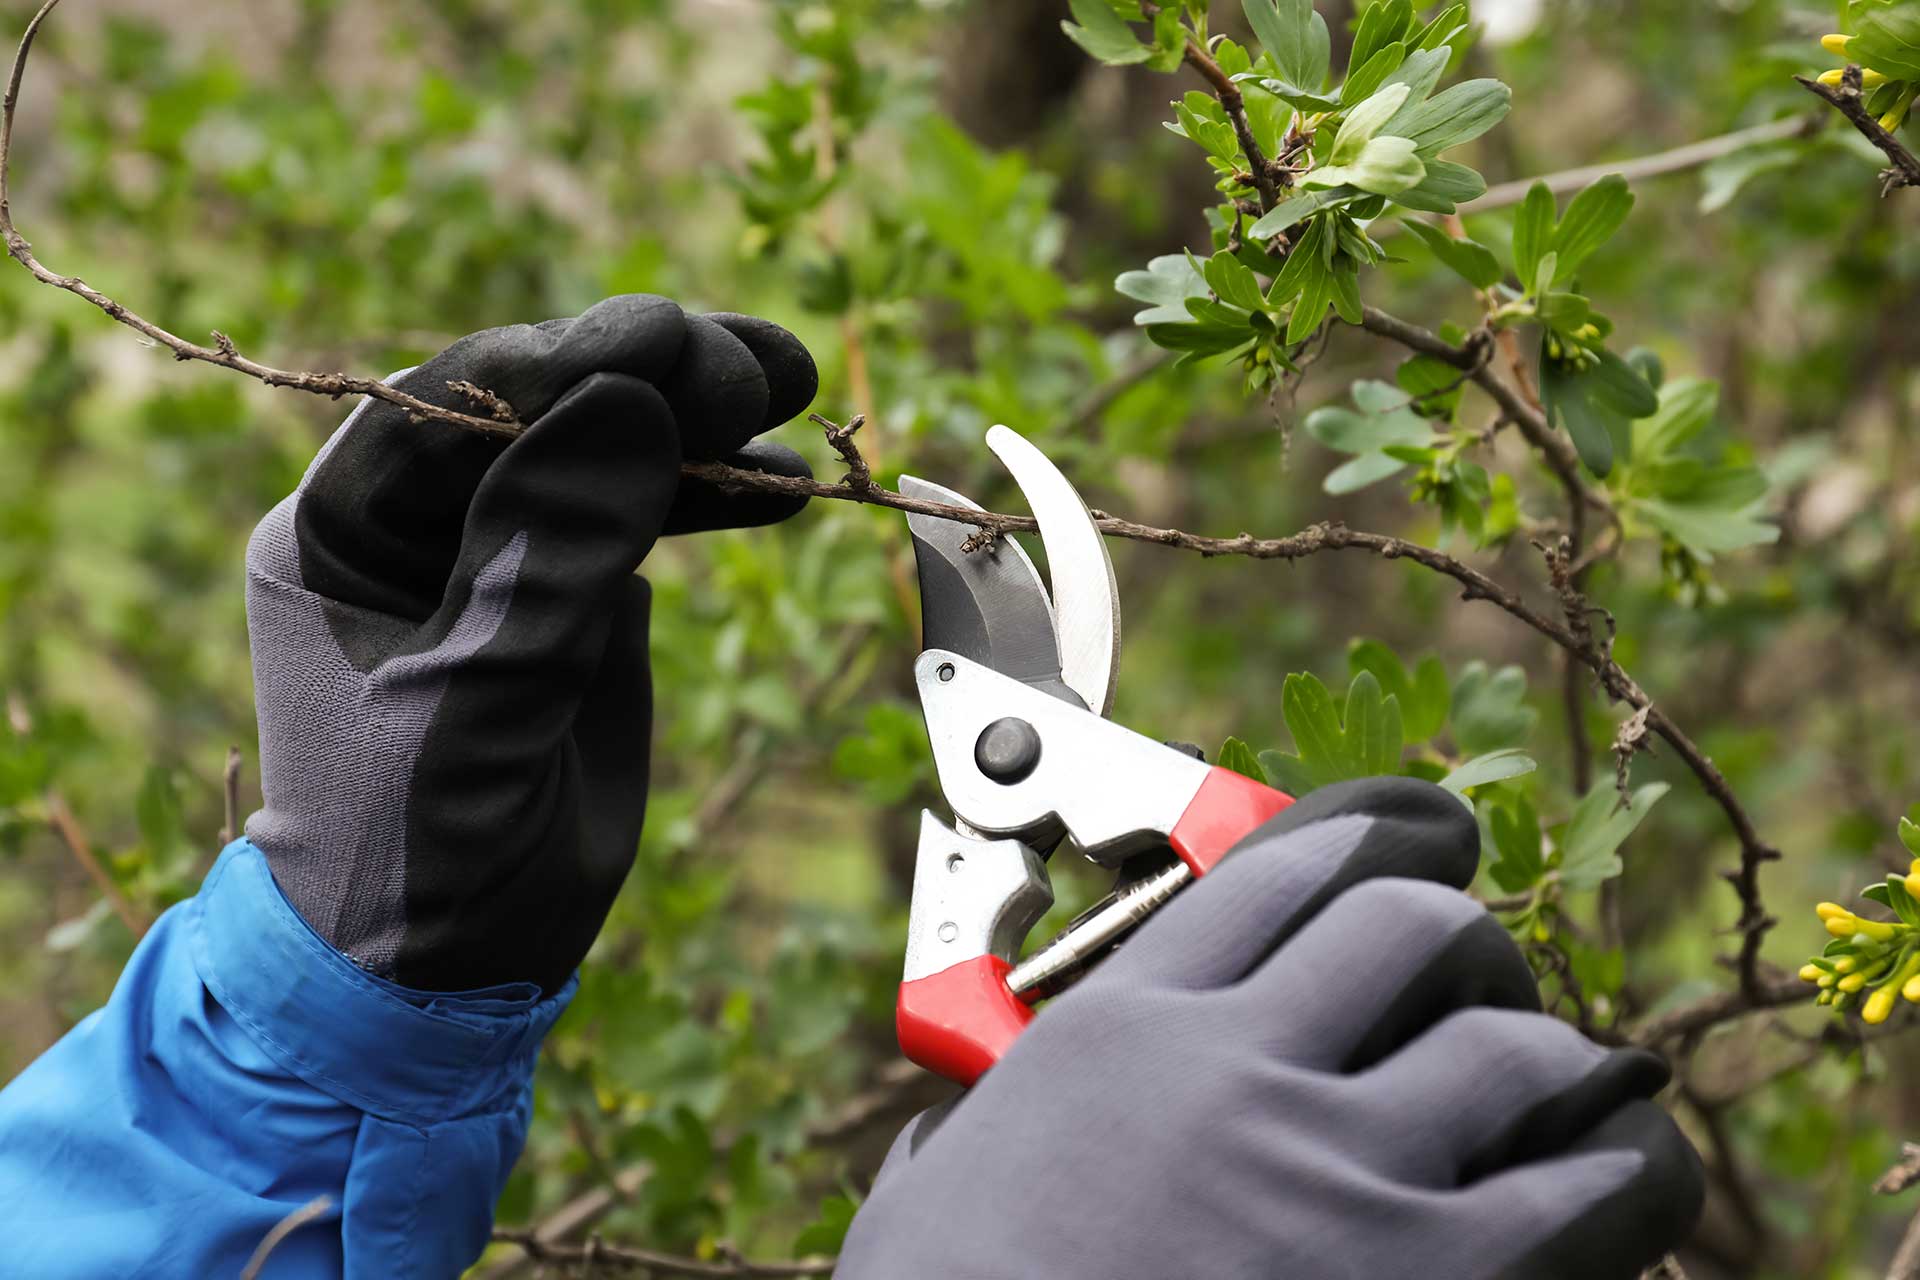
x=450, y=644
x=1321, y=1062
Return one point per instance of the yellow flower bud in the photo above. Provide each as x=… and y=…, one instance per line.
x=1871, y=79
x=1912, y=990
x=1845, y=964
x=1914, y=865
x=1836, y=44
x=1541, y=933
x=1832, y=78
x=1873, y=930
x=1834, y=911
x=1853, y=982
x=1827, y=979
x=1840, y=926
x=1912, y=881
x=1878, y=1005
x=1810, y=972
x=1892, y=119
x=1825, y=997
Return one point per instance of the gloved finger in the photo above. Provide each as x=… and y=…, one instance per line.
x=792, y=379
x=701, y=505
x=721, y=393
x=1280, y=875
x=555, y=529
x=1383, y=962
x=1487, y=1088
x=1627, y=1192
x=383, y=508
x=612, y=733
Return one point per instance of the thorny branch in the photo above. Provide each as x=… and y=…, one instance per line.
x=1848, y=101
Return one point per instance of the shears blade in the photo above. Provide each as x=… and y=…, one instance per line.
x=986, y=604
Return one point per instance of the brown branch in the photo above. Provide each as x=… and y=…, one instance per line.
x=61, y=819
x=628, y=1258
x=1848, y=101
x=1906, y=1259
x=1260, y=169
x=1722, y=1006
x=859, y=475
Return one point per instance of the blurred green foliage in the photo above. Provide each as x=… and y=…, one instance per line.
x=938, y=197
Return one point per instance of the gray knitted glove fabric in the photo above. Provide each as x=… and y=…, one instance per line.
x=1321, y=1062
x=450, y=643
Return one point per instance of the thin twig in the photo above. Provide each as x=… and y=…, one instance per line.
x=628, y=1258
x=281, y=1230
x=1722, y=1006
x=1904, y=1173
x=1847, y=100
x=61, y=818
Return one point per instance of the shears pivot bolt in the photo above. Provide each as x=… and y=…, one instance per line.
x=1007, y=750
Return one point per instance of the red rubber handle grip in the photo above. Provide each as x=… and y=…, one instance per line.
x=959, y=1021
x=1226, y=807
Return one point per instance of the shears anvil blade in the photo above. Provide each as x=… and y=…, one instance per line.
x=1086, y=598
x=987, y=604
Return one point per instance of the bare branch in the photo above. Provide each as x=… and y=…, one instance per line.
x=1847, y=100
x=628, y=1258
x=1723, y=1006
x=1904, y=1173
x=230, y=798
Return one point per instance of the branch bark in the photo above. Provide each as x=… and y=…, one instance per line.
x=1846, y=98
x=627, y=1258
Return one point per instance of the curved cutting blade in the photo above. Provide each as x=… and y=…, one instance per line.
x=986, y=604
x=1086, y=599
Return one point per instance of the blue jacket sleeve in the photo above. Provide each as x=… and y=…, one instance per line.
x=243, y=1068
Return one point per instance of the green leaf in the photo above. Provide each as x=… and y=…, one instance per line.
x=1373, y=73
x=1422, y=694
x=1233, y=283
x=1316, y=291
x=1902, y=902
x=1446, y=186
x=1238, y=757
x=1515, y=830
x=1888, y=40
x=1169, y=41
x=1457, y=114
x=1168, y=282
x=1373, y=730
x=1368, y=433
x=1307, y=258
x=828, y=1231
x=1910, y=836
x=1103, y=35
x=1569, y=397
x=1441, y=29
x=1296, y=208
x=1876, y=892
x=1381, y=24
x=1532, y=232
x=1199, y=116
x=1707, y=530
x=1363, y=122
x=1685, y=408
x=1495, y=766
x=1620, y=386
x=1599, y=826
x=1490, y=710
x=1420, y=72
x=1295, y=37
x=1723, y=179
x=1468, y=259
x=1328, y=746
x=1591, y=218
x=1385, y=165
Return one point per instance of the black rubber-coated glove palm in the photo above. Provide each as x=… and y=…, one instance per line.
x=1321, y=1062
x=450, y=643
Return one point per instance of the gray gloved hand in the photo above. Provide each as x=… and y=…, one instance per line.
x=1321, y=1061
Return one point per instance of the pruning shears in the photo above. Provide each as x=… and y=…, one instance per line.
x=1016, y=685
